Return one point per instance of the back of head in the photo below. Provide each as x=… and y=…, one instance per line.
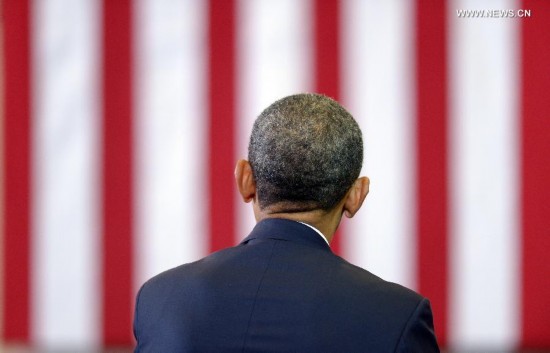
x=305, y=151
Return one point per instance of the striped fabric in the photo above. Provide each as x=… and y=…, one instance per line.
x=122, y=122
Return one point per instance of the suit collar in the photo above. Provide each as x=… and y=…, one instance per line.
x=288, y=230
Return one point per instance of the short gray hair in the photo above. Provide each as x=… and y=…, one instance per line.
x=305, y=151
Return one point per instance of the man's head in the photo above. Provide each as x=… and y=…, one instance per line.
x=305, y=152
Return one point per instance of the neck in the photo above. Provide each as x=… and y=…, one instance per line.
x=325, y=221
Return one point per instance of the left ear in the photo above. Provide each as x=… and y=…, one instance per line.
x=356, y=195
x=245, y=180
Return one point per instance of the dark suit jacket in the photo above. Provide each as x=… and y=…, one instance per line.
x=281, y=290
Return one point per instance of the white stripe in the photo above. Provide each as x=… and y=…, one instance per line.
x=378, y=65
x=170, y=132
x=274, y=60
x=66, y=174
x=484, y=181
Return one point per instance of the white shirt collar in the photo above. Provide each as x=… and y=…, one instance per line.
x=316, y=230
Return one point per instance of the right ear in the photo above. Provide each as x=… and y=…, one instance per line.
x=245, y=180
x=356, y=196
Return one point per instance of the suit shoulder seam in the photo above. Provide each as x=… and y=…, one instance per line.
x=408, y=323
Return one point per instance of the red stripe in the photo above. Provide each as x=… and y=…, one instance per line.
x=221, y=95
x=17, y=147
x=432, y=188
x=117, y=169
x=327, y=63
x=327, y=47
x=535, y=125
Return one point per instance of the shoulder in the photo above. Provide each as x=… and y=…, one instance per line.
x=187, y=276
x=363, y=289
x=170, y=289
x=157, y=291
x=399, y=316
x=166, y=281
x=363, y=280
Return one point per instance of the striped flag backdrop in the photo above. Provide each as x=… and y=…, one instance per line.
x=122, y=121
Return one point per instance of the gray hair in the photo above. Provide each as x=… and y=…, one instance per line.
x=305, y=151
